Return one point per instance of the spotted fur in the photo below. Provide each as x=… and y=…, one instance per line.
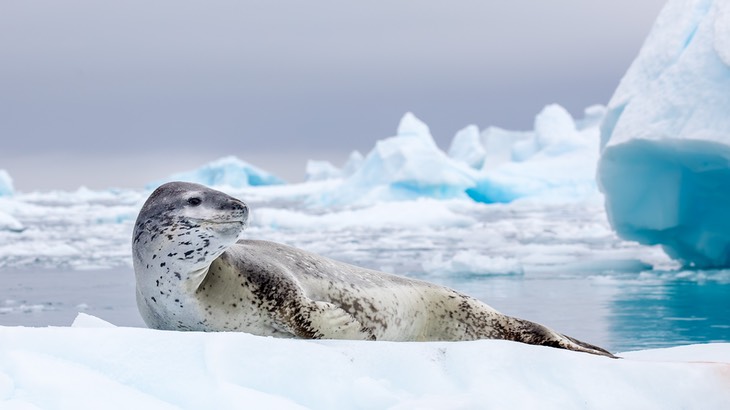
x=193, y=274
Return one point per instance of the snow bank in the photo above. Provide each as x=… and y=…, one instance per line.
x=665, y=164
x=105, y=367
x=228, y=172
x=6, y=183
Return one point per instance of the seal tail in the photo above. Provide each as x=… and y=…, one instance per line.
x=533, y=333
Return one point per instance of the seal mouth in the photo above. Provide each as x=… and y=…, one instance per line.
x=218, y=221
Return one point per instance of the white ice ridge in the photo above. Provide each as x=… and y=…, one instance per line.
x=94, y=365
x=665, y=163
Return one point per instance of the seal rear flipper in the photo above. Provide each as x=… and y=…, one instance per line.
x=536, y=334
x=322, y=320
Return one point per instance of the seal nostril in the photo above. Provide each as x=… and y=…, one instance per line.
x=236, y=205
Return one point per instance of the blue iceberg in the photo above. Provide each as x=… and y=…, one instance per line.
x=407, y=166
x=665, y=161
x=557, y=160
x=6, y=184
x=226, y=172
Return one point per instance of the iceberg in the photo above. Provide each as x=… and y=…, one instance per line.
x=225, y=172
x=555, y=161
x=407, y=166
x=665, y=160
x=321, y=171
x=324, y=170
x=467, y=147
x=96, y=365
x=354, y=162
x=6, y=183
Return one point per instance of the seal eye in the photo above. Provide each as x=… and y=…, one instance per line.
x=194, y=201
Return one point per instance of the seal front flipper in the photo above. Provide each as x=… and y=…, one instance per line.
x=311, y=319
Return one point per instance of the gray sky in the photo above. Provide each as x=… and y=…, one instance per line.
x=108, y=94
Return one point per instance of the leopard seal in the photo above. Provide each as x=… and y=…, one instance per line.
x=192, y=273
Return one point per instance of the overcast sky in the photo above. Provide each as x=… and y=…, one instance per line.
x=121, y=93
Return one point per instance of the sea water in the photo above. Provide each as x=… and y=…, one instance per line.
x=555, y=264
x=619, y=312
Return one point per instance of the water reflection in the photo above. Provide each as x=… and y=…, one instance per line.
x=663, y=312
x=618, y=311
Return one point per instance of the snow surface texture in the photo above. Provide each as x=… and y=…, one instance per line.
x=228, y=172
x=96, y=365
x=665, y=164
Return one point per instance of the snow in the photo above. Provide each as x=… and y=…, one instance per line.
x=96, y=365
x=225, y=172
x=665, y=163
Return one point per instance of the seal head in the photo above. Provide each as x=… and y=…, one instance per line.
x=180, y=230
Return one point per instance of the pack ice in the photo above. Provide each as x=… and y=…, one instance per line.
x=665, y=161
